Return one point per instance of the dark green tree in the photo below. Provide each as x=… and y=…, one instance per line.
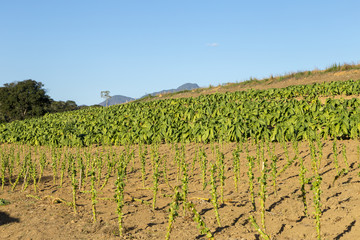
x=21, y=100
x=61, y=106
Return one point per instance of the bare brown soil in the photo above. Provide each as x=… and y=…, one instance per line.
x=44, y=214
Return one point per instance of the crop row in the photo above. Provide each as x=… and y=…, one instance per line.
x=86, y=171
x=230, y=117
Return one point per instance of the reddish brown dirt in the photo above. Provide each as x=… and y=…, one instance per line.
x=37, y=215
x=316, y=77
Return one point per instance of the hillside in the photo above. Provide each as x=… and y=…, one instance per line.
x=184, y=87
x=119, y=99
x=333, y=73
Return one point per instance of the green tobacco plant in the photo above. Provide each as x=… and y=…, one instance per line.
x=110, y=166
x=43, y=164
x=99, y=166
x=271, y=113
x=263, y=192
x=204, y=162
x=23, y=172
x=174, y=207
x=33, y=173
x=55, y=156
x=236, y=167
x=200, y=222
x=143, y=154
x=4, y=202
x=82, y=170
x=156, y=176
x=195, y=159
x=256, y=226
x=93, y=193
x=251, y=180
x=185, y=183
x=165, y=174
x=345, y=157
x=11, y=165
x=74, y=182
x=303, y=182
x=177, y=160
x=320, y=148
x=335, y=152
x=221, y=167
x=317, y=204
x=26, y=172
x=289, y=161
x=62, y=171
x=274, y=160
x=119, y=193
x=314, y=159
x=317, y=192
x=4, y=166
x=214, y=197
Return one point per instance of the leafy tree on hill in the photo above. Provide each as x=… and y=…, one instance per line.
x=28, y=98
x=61, y=106
x=21, y=100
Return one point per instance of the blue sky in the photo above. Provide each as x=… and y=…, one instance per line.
x=79, y=48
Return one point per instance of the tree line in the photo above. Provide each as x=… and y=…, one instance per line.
x=27, y=99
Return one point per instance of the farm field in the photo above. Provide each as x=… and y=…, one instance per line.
x=258, y=164
x=45, y=213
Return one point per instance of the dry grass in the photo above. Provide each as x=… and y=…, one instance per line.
x=336, y=72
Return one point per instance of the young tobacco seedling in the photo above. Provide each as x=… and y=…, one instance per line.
x=143, y=154
x=43, y=164
x=185, y=182
x=262, y=192
x=33, y=173
x=221, y=167
x=214, y=198
x=62, y=171
x=93, y=193
x=204, y=162
x=274, y=160
x=4, y=165
x=251, y=180
x=317, y=203
x=110, y=165
x=119, y=193
x=303, y=182
x=335, y=157
x=201, y=224
x=174, y=207
x=236, y=167
x=156, y=176
x=256, y=226
x=345, y=157
x=74, y=181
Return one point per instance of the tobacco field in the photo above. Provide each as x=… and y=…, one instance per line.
x=257, y=164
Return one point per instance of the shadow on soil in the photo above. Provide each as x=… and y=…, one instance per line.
x=348, y=229
x=5, y=219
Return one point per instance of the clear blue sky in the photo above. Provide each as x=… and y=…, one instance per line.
x=78, y=48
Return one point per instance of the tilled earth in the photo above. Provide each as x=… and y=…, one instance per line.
x=45, y=214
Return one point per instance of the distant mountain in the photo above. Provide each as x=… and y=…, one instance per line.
x=186, y=86
x=117, y=99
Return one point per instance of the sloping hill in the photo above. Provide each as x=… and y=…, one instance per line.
x=334, y=73
x=186, y=86
x=119, y=99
